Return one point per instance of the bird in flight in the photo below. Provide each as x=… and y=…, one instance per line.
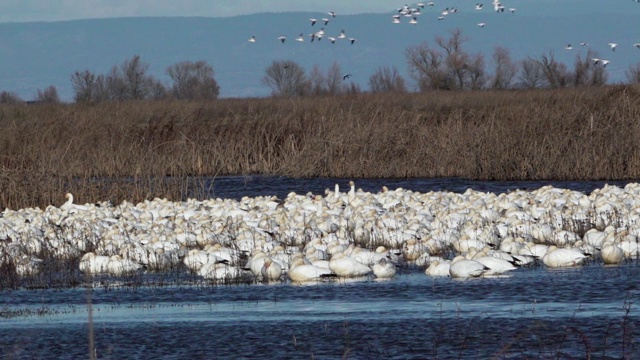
x=332, y=13
x=282, y=39
x=313, y=21
x=637, y=45
x=252, y=39
x=478, y=6
x=613, y=46
x=300, y=38
x=346, y=77
x=482, y=24
x=568, y=47
x=353, y=40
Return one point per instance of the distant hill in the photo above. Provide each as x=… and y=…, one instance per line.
x=36, y=55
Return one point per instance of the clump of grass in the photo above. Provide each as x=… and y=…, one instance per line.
x=140, y=150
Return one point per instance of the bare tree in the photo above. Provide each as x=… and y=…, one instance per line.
x=504, y=70
x=426, y=66
x=48, y=95
x=285, y=78
x=555, y=72
x=531, y=75
x=587, y=73
x=386, y=80
x=191, y=80
x=476, y=74
x=134, y=79
x=334, y=79
x=83, y=85
x=633, y=74
x=7, y=97
x=317, y=81
x=457, y=60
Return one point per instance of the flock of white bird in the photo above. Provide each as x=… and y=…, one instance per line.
x=412, y=13
x=317, y=35
x=307, y=238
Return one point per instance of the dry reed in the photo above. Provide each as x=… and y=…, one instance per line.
x=139, y=150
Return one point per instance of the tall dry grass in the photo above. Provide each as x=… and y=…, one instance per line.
x=116, y=151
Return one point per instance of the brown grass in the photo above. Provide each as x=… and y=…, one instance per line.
x=116, y=151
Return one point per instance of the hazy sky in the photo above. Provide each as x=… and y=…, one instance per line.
x=55, y=10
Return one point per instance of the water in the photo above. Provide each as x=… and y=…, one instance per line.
x=533, y=313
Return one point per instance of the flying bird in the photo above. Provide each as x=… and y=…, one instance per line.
x=342, y=35
x=252, y=39
x=513, y=10
x=584, y=43
x=478, y=6
x=352, y=40
x=396, y=19
x=613, y=46
x=326, y=21
x=300, y=38
x=332, y=13
x=346, y=77
x=482, y=24
x=282, y=39
x=568, y=47
x=313, y=21
x=637, y=45
x=332, y=39
x=414, y=20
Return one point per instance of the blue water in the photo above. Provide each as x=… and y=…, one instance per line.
x=535, y=312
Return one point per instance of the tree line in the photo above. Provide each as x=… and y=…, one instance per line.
x=443, y=65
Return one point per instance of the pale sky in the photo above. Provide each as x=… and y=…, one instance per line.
x=57, y=10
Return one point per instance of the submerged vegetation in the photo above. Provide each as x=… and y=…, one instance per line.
x=141, y=149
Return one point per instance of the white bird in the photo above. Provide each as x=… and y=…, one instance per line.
x=496, y=266
x=352, y=40
x=584, y=43
x=252, y=39
x=605, y=62
x=300, y=38
x=332, y=39
x=482, y=24
x=613, y=46
x=568, y=47
x=396, y=19
x=611, y=254
x=384, y=269
x=478, y=6
x=342, y=35
x=299, y=272
x=332, y=13
x=313, y=21
x=345, y=266
x=555, y=257
x=326, y=21
x=414, y=20
x=466, y=268
x=637, y=45
x=513, y=10
x=437, y=268
x=282, y=39
x=271, y=270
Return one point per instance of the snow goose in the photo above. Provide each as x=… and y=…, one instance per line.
x=463, y=268
x=282, y=39
x=345, y=266
x=613, y=46
x=299, y=272
x=556, y=258
x=252, y=39
x=271, y=270
x=611, y=254
x=438, y=269
x=384, y=269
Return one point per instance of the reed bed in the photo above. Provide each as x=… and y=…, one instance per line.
x=140, y=150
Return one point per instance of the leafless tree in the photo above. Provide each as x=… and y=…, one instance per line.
x=385, y=80
x=633, y=74
x=285, y=78
x=476, y=74
x=83, y=85
x=317, y=81
x=555, y=72
x=587, y=73
x=48, y=95
x=457, y=60
x=131, y=80
x=531, y=75
x=334, y=79
x=191, y=80
x=427, y=67
x=504, y=70
x=7, y=97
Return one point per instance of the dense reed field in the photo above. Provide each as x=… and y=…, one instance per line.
x=137, y=150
